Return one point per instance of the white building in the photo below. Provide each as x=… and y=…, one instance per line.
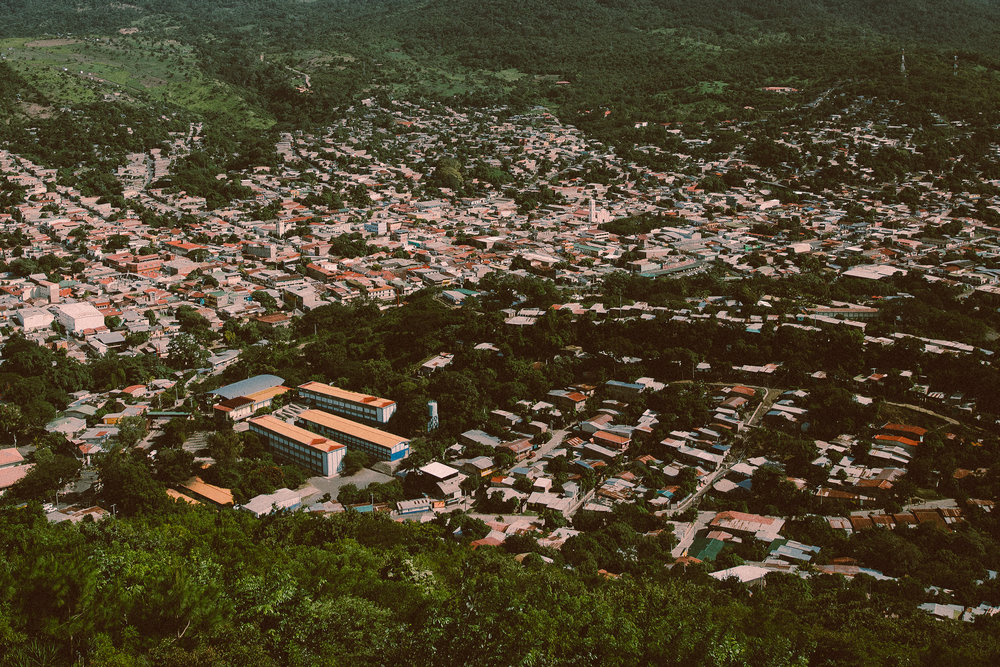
x=78, y=317
x=32, y=319
x=282, y=499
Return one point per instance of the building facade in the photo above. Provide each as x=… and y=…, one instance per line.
x=350, y=404
x=379, y=444
x=313, y=452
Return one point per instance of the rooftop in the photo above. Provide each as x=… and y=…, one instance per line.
x=300, y=435
x=249, y=386
x=344, y=394
x=321, y=418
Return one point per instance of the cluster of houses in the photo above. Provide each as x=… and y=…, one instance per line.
x=220, y=263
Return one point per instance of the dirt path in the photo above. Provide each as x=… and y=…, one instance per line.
x=917, y=408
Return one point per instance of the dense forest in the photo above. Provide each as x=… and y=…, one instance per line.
x=192, y=587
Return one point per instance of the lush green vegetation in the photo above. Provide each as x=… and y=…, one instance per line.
x=189, y=586
x=256, y=64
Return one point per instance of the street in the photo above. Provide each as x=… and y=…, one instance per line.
x=770, y=396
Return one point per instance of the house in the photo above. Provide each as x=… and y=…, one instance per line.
x=442, y=481
x=751, y=575
x=520, y=448
x=569, y=401
x=215, y=495
x=612, y=441
x=623, y=390
x=436, y=362
x=481, y=466
x=240, y=407
x=764, y=528
x=267, y=503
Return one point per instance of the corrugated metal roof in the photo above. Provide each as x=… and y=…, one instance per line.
x=249, y=386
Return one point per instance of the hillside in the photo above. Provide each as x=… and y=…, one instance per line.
x=658, y=59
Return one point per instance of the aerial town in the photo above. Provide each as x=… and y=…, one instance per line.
x=405, y=200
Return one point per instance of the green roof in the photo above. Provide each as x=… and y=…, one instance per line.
x=705, y=549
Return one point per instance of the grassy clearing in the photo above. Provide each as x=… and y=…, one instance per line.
x=81, y=71
x=709, y=87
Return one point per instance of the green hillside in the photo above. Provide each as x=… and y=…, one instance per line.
x=659, y=59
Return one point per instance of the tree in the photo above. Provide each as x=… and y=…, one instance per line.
x=79, y=234
x=190, y=319
x=225, y=447
x=173, y=466
x=448, y=174
x=349, y=494
x=126, y=481
x=52, y=471
x=522, y=484
x=12, y=421
x=354, y=461
x=131, y=430
x=184, y=352
x=116, y=242
x=264, y=299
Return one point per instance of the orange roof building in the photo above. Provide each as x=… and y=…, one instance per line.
x=350, y=404
x=305, y=448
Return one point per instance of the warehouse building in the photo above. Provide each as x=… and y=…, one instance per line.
x=78, y=317
x=32, y=319
x=381, y=445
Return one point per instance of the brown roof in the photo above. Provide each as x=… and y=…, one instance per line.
x=861, y=523
x=930, y=516
x=10, y=456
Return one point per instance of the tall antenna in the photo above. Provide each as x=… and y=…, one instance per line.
x=954, y=69
x=902, y=63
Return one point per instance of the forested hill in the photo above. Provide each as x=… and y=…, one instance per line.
x=965, y=24
x=654, y=59
x=190, y=587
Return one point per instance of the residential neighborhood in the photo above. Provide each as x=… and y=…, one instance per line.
x=160, y=275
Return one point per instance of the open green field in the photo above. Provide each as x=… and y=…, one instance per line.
x=83, y=70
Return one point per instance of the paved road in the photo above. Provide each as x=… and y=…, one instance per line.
x=554, y=443
x=770, y=396
x=932, y=504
